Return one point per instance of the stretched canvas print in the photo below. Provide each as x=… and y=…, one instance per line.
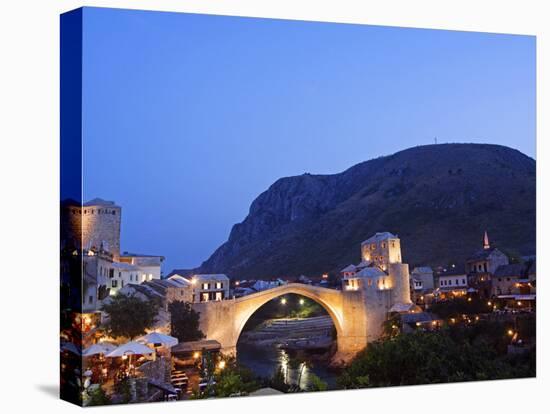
x=258, y=206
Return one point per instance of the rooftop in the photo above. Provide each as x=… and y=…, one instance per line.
x=371, y=272
x=100, y=202
x=129, y=254
x=483, y=254
x=213, y=276
x=422, y=269
x=192, y=346
x=349, y=268
x=386, y=235
x=511, y=270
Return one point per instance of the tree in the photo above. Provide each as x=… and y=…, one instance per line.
x=130, y=316
x=317, y=384
x=97, y=396
x=184, y=322
x=452, y=355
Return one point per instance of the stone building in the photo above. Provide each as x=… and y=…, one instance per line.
x=383, y=279
x=481, y=266
x=149, y=264
x=94, y=225
x=425, y=275
x=514, y=279
x=210, y=287
x=381, y=250
x=92, y=230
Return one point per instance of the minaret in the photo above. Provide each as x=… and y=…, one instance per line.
x=486, y=244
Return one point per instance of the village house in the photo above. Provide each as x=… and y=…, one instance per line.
x=514, y=285
x=206, y=287
x=481, y=266
x=451, y=284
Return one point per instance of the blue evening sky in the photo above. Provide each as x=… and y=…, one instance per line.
x=188, y=118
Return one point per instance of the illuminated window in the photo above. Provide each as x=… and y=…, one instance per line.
x=219, y=296
x=204, y=297
x=219, y=285
x=206, y=286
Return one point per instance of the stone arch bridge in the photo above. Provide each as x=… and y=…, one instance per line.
x=349, y=309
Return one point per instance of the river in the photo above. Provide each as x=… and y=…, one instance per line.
x=265, y=360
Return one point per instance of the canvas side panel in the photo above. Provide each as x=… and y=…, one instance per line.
x=71, y=207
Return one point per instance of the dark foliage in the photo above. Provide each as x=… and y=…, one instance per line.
x=436, y=357
x=184, y=322
x=130, y=316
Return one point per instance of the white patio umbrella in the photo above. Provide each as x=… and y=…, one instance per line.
x=70, y=347
x=100, y=348
x=158, y=338
x=130, y=348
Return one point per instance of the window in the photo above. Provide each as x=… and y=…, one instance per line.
x=119, y=274
x=219, y=285
x=204, y=297
x=90, y=299
x=456, y=282
x=219, y=296
x=114, y=283
x=206, y=286
x=463, y=281
x=369, y=282
x=111, y=273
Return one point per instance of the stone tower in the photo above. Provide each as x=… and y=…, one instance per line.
x=95, y=225
x=381, y=250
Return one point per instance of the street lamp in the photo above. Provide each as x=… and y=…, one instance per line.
x=302, y=301
x=283, y=301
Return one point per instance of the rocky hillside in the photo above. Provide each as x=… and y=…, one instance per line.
x=438, y=198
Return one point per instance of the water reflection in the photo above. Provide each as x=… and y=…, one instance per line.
x=265, y=360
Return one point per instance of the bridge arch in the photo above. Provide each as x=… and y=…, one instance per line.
x=329, y=299
x=224, y=320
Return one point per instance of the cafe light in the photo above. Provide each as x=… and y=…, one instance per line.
x=196, y=355
x=221, y=364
